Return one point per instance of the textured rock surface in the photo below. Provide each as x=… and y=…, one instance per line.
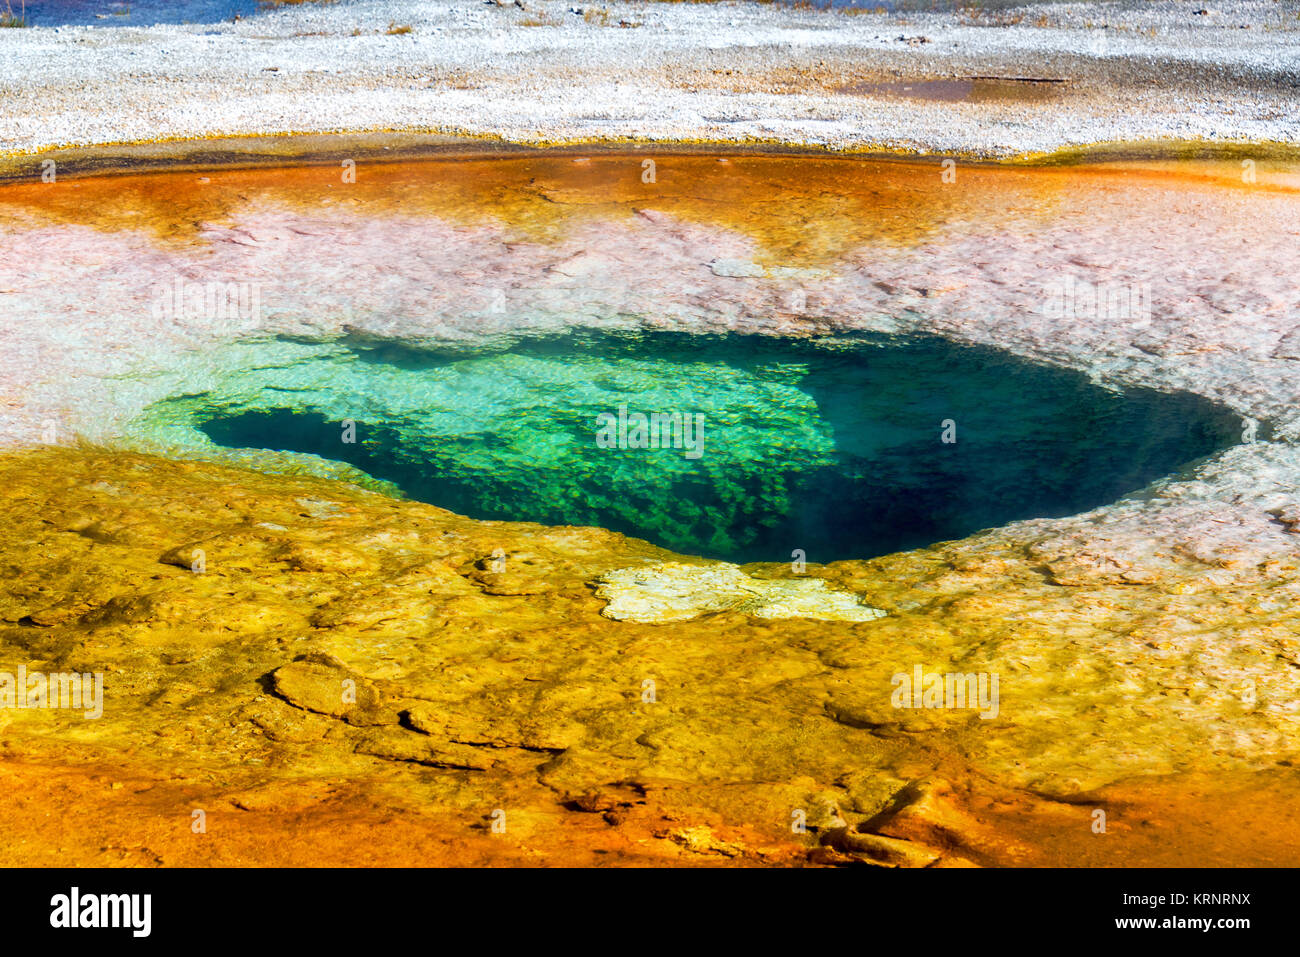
x=383, y=698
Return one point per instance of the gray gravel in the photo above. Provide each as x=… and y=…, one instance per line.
x=726, y=72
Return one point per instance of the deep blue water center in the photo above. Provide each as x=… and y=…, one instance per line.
x=841, y=449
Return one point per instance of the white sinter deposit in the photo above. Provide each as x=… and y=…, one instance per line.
x=546, y=71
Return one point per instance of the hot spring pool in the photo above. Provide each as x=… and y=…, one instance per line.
x=751, y=447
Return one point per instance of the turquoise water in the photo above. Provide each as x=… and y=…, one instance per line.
x=834, y=448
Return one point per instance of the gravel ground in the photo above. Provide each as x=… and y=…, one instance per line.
x=544, y=72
